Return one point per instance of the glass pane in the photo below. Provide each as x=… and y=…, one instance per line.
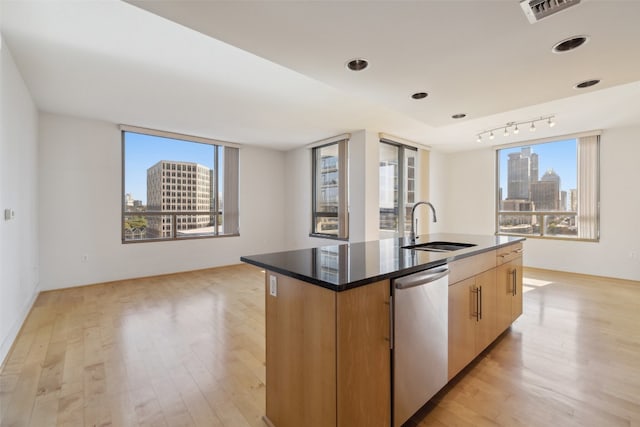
x=389, y=155
x=169, y=176
x=410, y=189
x=542, y=177
x=560, y=225
x=518, y=224
x=326, y=192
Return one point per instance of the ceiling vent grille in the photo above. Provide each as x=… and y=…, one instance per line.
x=540, y=9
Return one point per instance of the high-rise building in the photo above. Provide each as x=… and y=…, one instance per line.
x=522, y=170
x=545, y=194
x=328, y=191
x=573, y=200
x=178, y=186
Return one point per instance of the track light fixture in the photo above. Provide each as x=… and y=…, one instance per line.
x=514, y=127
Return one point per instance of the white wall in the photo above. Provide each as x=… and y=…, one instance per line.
x=298, y=201
x=80, y=210
x=364, y=186
x=437, y=169
x=470, y=185
x=469, y=180
x=18, y=191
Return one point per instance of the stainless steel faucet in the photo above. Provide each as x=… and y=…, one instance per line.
x=412, y=235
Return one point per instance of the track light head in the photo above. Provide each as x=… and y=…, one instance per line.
x=551, y=122
x=516, y=130
x=532, y=128
x=491, y=136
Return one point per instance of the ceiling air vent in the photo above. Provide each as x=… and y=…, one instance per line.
x=540, y=9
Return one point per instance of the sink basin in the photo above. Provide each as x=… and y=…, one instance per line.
x=439, y=246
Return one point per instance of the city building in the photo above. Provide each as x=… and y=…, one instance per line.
x=179, y=186
x=545, y=194
x=522, y=170
x=573, y=200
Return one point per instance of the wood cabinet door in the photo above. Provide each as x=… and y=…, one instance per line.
x=504, y=296
x=509, y=293
x=300, y=354
x=462, y=325
x=516, y=301
x=363, y=356
x=486, y=330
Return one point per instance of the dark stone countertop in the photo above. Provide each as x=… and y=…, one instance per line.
x=345, y=266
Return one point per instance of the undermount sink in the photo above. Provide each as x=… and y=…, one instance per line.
x=439, y=246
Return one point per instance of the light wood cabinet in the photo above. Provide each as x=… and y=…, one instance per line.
x=485, y=297
x=328, y=357
x=472, y=319
x=509, y=292
x=319, y=374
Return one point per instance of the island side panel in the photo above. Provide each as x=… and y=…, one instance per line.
x=300, y=354
x=364, y=356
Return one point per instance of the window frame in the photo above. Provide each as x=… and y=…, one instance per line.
x=403, y=185
x=343, y=191
x=176, y=214
x=541, y=215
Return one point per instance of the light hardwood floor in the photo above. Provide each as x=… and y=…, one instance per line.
x=188, y=350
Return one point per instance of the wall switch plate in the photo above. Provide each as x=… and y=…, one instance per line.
x=273, y=286
x=9, y=214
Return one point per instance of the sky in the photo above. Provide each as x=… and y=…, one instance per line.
x=561, y=156
x=143, y=151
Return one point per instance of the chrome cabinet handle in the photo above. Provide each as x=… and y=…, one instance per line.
x=390, y=339
x=476, y=291
x=480, y=299
x=514, y=280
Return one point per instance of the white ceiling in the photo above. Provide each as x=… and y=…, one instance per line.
x=273, y=73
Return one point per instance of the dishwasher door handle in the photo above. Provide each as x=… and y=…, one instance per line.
x=422, y=278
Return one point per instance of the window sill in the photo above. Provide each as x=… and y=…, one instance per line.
x=328, y=236
x=564, y=239
x=178, y=239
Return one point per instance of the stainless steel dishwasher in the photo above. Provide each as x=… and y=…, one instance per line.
x=420, y=339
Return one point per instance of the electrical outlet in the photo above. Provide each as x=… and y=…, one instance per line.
x=84, y=258
x=273, y=286
x=633, y=255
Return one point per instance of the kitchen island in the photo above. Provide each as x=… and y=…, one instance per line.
x=329, y=318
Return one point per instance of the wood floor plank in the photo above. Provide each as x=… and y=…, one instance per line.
x=188, y=350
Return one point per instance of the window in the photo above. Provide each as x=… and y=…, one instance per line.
x=550, y=189
x=154, y=161
x=329, y=211
x=398, y=165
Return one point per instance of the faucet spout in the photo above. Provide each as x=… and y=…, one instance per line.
x=412, y=235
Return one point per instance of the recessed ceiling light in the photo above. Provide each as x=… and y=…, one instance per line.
x=569, y=44
x=357, y=64
x=419, y=95
x=587, y=83
x=459, y=116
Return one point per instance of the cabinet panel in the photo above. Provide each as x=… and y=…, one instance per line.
x=516, y=302
x=300, y=354
x=508, y=253
x=468, y=267
x=462, y=319
x=364, y=356
x=509, y=293
x=486, y=325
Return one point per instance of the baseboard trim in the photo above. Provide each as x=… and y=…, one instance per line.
x=9, y=341
x=267, y=421
x=582, y=275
